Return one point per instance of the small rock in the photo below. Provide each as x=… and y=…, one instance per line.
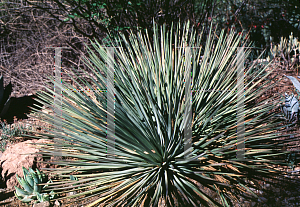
x=277, y=190
x=56, y=203
x=262, y=199
x=17, y=156
x=259, y=192
x=71, y=193
x=292, y=198
x=252, y=189
x=43, y=204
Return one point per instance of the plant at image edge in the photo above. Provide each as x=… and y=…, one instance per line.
x=8, y=133
x=150, y=162
x=32, y=190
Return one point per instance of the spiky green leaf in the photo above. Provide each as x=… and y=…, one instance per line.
x=20, y=192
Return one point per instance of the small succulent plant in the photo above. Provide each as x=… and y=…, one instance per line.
x=284, y=48
x=73, y=178
x=31, y=188
x=293, y=159
x=8, y=132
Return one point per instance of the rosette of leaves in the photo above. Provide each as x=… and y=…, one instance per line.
x=150, y=161
x=31, y=188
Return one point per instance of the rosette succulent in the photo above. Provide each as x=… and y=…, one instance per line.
x=32, y=190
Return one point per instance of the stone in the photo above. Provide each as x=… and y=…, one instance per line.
x=71, y=193
x=42, y=204
x=262, y=199
x=56, y=203
x=17, y=156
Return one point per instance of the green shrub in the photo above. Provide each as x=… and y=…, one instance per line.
x=8, y=132
x=287, y=51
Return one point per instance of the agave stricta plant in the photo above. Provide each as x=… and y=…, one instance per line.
x=32, y=190
x=150, y=162
x=12, y=106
